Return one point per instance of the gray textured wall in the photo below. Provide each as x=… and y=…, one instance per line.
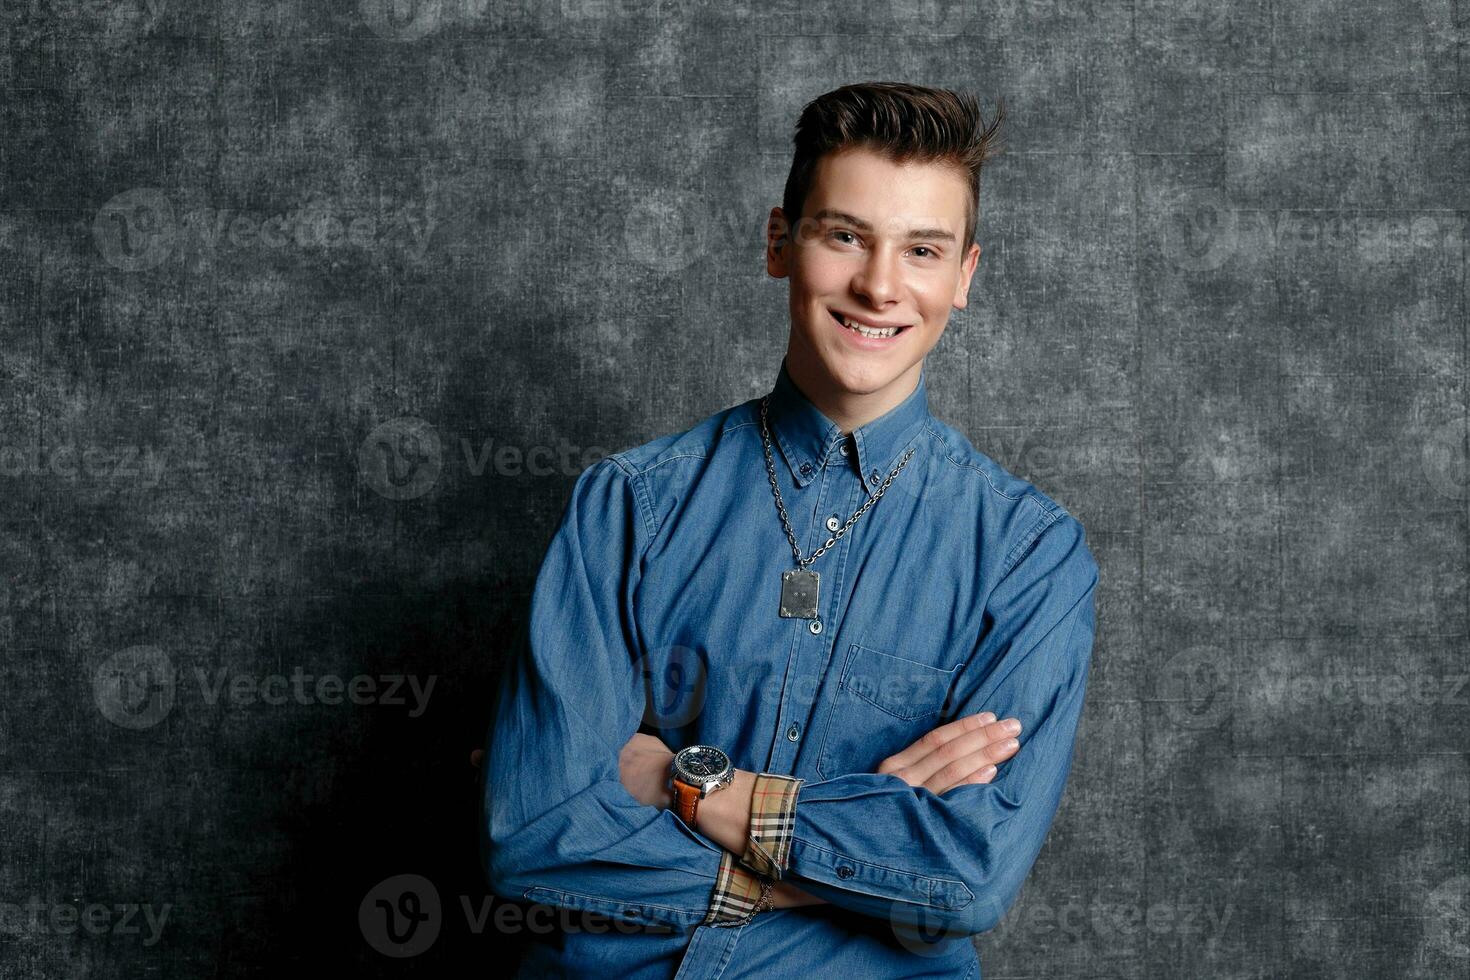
x=290, y=292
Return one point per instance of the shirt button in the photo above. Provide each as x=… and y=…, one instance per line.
x=843, y=449
x=793, y=733
x=844, y=872
x=806, y=469
x=874, y=478
x=833, y=523
x=816, y=626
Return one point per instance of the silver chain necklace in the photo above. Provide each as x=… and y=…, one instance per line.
x=799, y=586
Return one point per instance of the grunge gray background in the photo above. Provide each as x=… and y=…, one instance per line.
x=313, y=311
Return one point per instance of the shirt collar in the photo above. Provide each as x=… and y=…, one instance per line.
x=809, y=440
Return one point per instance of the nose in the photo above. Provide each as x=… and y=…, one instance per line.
x=878, y=280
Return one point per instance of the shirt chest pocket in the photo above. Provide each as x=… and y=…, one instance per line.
x=882, y=704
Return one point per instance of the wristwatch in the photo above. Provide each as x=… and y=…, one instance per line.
x=698, y=771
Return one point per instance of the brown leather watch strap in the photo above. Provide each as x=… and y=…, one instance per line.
x=686, y=799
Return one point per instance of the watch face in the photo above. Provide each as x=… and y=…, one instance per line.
x=700, y=763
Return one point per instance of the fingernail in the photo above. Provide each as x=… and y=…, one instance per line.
x=986, y=717
x=1013, y=726
x=987, y=772
x=1009, y=744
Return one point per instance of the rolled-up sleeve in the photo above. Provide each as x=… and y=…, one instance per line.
x=560, y=828
x=954, y=862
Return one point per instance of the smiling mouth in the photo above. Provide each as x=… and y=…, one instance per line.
x=874, y=333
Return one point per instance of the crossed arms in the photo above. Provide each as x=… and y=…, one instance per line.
x=562, y=828
x=966, y=750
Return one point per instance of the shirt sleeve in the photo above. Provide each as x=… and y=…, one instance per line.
x=954, y=862
x=559, y=826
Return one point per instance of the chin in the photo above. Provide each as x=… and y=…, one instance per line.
x=863, y=379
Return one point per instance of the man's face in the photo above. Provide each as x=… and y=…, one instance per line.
x=879, y=243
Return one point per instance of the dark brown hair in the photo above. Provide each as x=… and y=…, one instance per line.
x=902, y=122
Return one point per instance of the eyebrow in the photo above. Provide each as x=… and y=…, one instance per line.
x=831, y=214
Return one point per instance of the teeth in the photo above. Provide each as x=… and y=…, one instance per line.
x=866, y=331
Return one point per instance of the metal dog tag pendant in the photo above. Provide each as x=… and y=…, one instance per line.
x=799, y=594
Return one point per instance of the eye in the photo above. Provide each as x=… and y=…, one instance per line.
x=840, y=231
x=924, y=248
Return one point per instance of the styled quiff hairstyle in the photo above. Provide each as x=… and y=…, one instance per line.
x=903, y=123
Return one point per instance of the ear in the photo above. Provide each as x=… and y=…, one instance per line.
x=967, y=270
x=778, y=244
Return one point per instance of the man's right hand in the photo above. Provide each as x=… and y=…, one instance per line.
x=966, y=750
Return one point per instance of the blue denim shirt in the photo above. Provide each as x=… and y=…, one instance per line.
x=962, y=589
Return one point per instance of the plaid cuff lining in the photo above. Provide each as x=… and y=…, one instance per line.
x=738, y=893
x=742, y=885
x=772, y=821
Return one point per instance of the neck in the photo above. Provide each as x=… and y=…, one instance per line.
x=849, y=409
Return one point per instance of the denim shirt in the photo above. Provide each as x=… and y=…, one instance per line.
x=962, y=589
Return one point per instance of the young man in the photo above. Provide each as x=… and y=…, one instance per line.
x=838, y=612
